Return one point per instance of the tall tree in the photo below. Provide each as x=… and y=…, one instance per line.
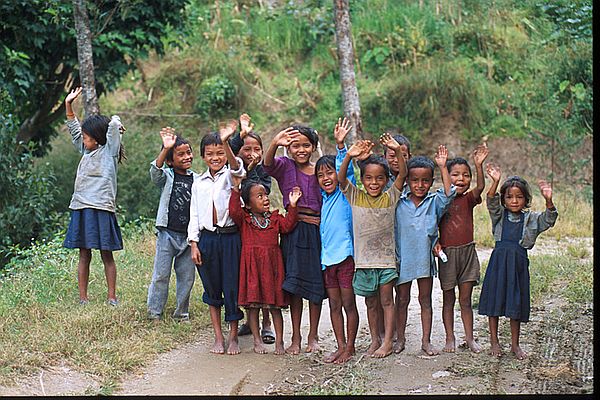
x=85, y=57
x=345, y=51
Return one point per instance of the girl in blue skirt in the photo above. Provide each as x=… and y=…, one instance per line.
x=505, y=288
x=93, y=222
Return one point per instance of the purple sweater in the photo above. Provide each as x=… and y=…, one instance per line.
x=287, y=175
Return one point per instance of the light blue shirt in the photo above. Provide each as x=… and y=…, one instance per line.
x=416, y=232
x=336, y=221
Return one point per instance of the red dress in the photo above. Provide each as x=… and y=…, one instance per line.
x=261, y=262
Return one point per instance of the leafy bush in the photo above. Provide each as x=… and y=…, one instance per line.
x=215, y=96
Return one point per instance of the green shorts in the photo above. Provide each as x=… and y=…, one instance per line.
x=366, y=281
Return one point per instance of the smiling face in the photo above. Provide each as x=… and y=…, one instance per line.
x=182, y=158
x=419, y=181
x=89, y=142
x=258, y=199
x=390, y=156
x=250, y=146
x=460, y=176
x=214, y=156
x=301, y=150
x=327, y=177
x=374, y=179
x=514, y=199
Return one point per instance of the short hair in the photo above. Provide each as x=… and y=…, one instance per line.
x=309, y=132
x=420, y=162
x=374, y=159
x=96, y=126
x=458, y=161
x=247, y=185
x=516, y=181
x=208, y=139
x=325, y=161
x=402, y=140
x=179, y=141
x=236, y=145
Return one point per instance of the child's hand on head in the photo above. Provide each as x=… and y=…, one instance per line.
x=546, y=189
x=295, y=195
x=341, y=130
x=388, y=141
x=73, y=94
x=245, y=125
x=480, y=153
x=493, y=171
x=441, y=156
x=227, y=129
x=286, y=137
x=168, y=137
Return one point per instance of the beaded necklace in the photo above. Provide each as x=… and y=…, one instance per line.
x=256, y=221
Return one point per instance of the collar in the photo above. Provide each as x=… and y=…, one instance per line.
x=207, y=174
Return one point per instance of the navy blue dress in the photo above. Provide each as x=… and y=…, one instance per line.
x=505, y=290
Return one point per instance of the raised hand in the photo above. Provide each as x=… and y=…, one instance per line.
x=245, y=125
x=286, y=137
x=356, y=149
x=367, y=150
x=388, y=141
x=73, y=94
x=255, y=160
x=546, y=189
x=235, y=182
x=493, y=172
x=341, y=131
x=480, y=154
x=295, y=195
x=441, y=156
x=227, y=129
x=168, y=137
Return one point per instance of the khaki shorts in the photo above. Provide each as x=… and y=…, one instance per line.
x=367, y=281
x=462, y=266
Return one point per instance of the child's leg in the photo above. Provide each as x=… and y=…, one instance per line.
x=110, y=270
x=314, y=313
x=185, y=273
x=372, y=303
x=515, y=332
x=253, y=322
x=234, y=346
x=386, y=299
x=496, y=349
x=337, y=322
x=349, y=303
x=465, y=291
x=449, y=298
x=296, y=315
x=158, y=291
x=83, y=273
x=229, y=253
x=266, y=321
x=425, y=288
x=278, y=323
x=215, y=320
x=380, y=320
x=402, y=301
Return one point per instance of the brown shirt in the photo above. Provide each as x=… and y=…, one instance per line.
x=456, y=226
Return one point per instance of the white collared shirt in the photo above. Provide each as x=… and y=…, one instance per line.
x=206, y=191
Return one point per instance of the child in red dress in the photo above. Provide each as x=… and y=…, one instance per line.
x=261, y=264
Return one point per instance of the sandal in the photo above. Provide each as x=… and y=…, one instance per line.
x=267, y=336
x=244, y=330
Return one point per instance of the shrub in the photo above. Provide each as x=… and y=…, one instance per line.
x=215, y=95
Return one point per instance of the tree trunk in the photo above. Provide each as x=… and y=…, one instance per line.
x=345, y=51
x=85, y=57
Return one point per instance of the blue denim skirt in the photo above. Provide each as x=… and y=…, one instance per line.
x=93, y=229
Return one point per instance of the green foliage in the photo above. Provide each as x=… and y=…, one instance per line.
x=216, y=96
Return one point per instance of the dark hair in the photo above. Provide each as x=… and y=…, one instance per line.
x=402, y=140
x=516, y=181
x=237, y=143
x=254, y=136
x=96, y=126
x=420, y=162
x=179, y=141
x=374, y=159
x=247, y=185
x=458, y=161
x=325, y=161
x=208, y=139
x=309, y=132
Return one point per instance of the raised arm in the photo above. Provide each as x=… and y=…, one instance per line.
x=440, y=158
x=235, y=205
x=69, y=100
x=168, y=141
x=358, y=149
x=479, y=155
x=226, y=131
x=388, y=141
x=283, y=138
x=342, y=127
x=291, y=218
x=494, y=173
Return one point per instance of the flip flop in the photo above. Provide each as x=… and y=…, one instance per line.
x=244, y=330
x=267, y=336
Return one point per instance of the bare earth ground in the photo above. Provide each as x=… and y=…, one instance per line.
x=559, y=346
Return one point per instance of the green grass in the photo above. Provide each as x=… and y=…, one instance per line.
x=41, y=322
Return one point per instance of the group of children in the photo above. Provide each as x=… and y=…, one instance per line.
x=336, y=239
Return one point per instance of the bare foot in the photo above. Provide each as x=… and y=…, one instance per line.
x=313, y=346
x=496, y=350
x=331, y=357
x=450, y=346
x=293, y=348
x=383, y=351
x=218, y=347
x=474, y=346
x=259, y=348
x=519, y=353
x=345, y=356
x=399, y=346
x=279, y=350
x=373, y=347
x=429, y=349
x=233, y=348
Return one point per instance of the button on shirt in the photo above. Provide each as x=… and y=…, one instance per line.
x=206, y=191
